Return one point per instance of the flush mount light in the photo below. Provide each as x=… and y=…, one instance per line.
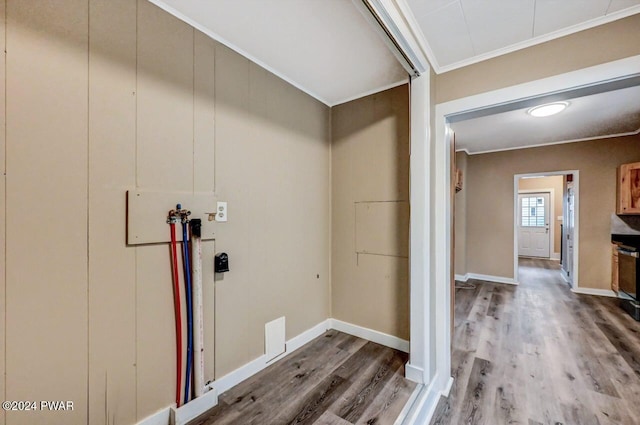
x=548, y=109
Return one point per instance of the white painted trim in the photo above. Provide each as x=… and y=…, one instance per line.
x=582, y=77
x=393, y=16
x=408, y=405
x=307, y=336
x=370, y=335
x=491, y=278
x=441, y=241
x=161, y=417
x=576, y=230
x=556, y=255
x=552, y=214
x=420, y=38
x=447, y=389
x=248, y=370
x=426, y=401
x=370, y=92
x=413, y=373
x=540, y=39
x=420, y=198
x=171, y=10
x=462, y=277
x=242, y=373
x=561, y=142
x=594, y=291
x=196, y=407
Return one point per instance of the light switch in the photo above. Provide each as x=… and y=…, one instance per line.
x=221, y=211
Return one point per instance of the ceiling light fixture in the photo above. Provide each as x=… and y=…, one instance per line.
x=548, y=109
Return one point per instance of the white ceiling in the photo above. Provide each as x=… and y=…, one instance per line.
x=324, y=47
x=615, y=112
x=457, y=33
x=328, y=49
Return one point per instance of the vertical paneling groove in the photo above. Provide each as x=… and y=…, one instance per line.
x=135, y=249
x=164, y=162
x=3, y=204
x=112, y=104
x=233, y=184
x=204, y=176
x=46, y=268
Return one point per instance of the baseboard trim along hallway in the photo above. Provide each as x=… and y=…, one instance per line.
x=486, y=278
x=594, y=291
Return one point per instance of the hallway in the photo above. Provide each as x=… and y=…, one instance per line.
x=537, y=353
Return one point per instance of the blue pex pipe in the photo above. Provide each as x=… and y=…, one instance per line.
x=187, y=275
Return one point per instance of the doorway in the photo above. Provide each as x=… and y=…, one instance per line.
x=540, y=204
x=534, y=212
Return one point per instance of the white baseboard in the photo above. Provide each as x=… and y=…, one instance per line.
x=447, y=388
x=461, y=277
x=248, y=370
x=593, y=291
x=555, y=256
x=406, y=410
x=196, y=407
x=425, y=403
x=413, y=373
x=307, y=336
x=490, y=278
x=161, y=417
x=219, y=386
x=370, y=335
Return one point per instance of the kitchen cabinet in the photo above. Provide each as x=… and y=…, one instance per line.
x=628, y=194
x=614, y=268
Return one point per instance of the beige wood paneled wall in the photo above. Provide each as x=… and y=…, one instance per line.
x=46, y=207
x=104, y=96
x=3, y=183
x=275, y=176
x=112, y=169
x=490, y=193
x=370, y=163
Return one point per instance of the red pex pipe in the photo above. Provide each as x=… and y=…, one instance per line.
x=176, y=302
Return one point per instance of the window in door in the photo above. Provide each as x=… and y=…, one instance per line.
x=533, y=211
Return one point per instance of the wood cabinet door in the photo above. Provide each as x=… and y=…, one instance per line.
x=629, y=189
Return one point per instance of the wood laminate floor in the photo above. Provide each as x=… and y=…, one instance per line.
x=539, y=354
x=337, y=379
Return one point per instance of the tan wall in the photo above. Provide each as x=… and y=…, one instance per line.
x=605, y=43
x=108, y=96
x=370, y=164
x=3, y=182
x=555, y=183
x=490, y=194
x=460, y=205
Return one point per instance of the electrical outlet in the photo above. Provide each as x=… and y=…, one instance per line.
x=221, y=211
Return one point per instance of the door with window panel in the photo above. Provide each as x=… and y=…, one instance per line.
x=533, y=225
